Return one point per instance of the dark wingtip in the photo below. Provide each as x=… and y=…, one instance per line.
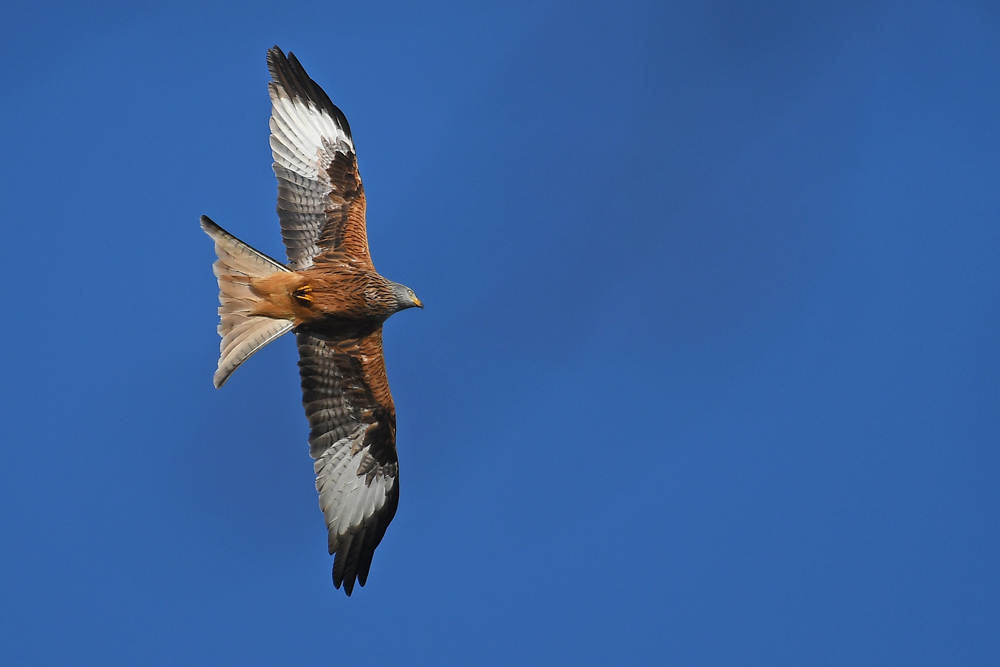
x=346, y=582
x=274, y=56
x=348, y=585
x=288, y=73
x=353, y=558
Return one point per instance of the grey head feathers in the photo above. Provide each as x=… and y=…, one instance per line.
x=405, y=297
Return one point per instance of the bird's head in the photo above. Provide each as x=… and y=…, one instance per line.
x=405, y=298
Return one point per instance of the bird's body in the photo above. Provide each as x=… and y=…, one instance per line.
x=336, y=302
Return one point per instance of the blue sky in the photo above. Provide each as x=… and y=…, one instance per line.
x=708, y=373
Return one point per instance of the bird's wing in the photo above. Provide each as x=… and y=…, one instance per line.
x=321, y=202
x=353, y=441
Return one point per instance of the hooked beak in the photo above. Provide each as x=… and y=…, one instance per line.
x=417, y=302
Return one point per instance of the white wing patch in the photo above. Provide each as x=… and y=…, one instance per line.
x=304, y=139
x=347, y=500
x=298, y=130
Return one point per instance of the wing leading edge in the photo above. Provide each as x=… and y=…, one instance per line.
x=352, y=419
x=321, y=202
x=353, y=441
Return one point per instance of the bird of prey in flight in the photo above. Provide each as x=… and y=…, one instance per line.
x=330, y=295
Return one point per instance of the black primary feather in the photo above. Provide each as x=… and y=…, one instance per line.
x=290, y=75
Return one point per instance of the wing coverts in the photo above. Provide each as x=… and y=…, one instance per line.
x=352, y=440
x=321, y=207
x=345, y=393
x=307, y=133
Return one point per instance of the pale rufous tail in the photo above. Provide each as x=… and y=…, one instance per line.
x=242, y=332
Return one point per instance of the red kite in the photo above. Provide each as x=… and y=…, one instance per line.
x=335, y=301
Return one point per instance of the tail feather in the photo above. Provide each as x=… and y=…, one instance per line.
x=242, y=332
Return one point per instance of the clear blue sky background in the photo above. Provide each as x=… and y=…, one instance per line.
x=708, y=373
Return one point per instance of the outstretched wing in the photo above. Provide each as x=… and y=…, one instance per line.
x=353, y=440
x=321, y=202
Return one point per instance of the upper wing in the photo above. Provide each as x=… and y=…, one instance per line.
x=321, y=202
x=353, y=440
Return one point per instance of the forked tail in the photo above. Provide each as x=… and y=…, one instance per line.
x=242, y=332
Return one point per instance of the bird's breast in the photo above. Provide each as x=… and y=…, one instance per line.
x=341, y=304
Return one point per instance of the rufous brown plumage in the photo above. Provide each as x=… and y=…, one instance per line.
x=335, y=301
